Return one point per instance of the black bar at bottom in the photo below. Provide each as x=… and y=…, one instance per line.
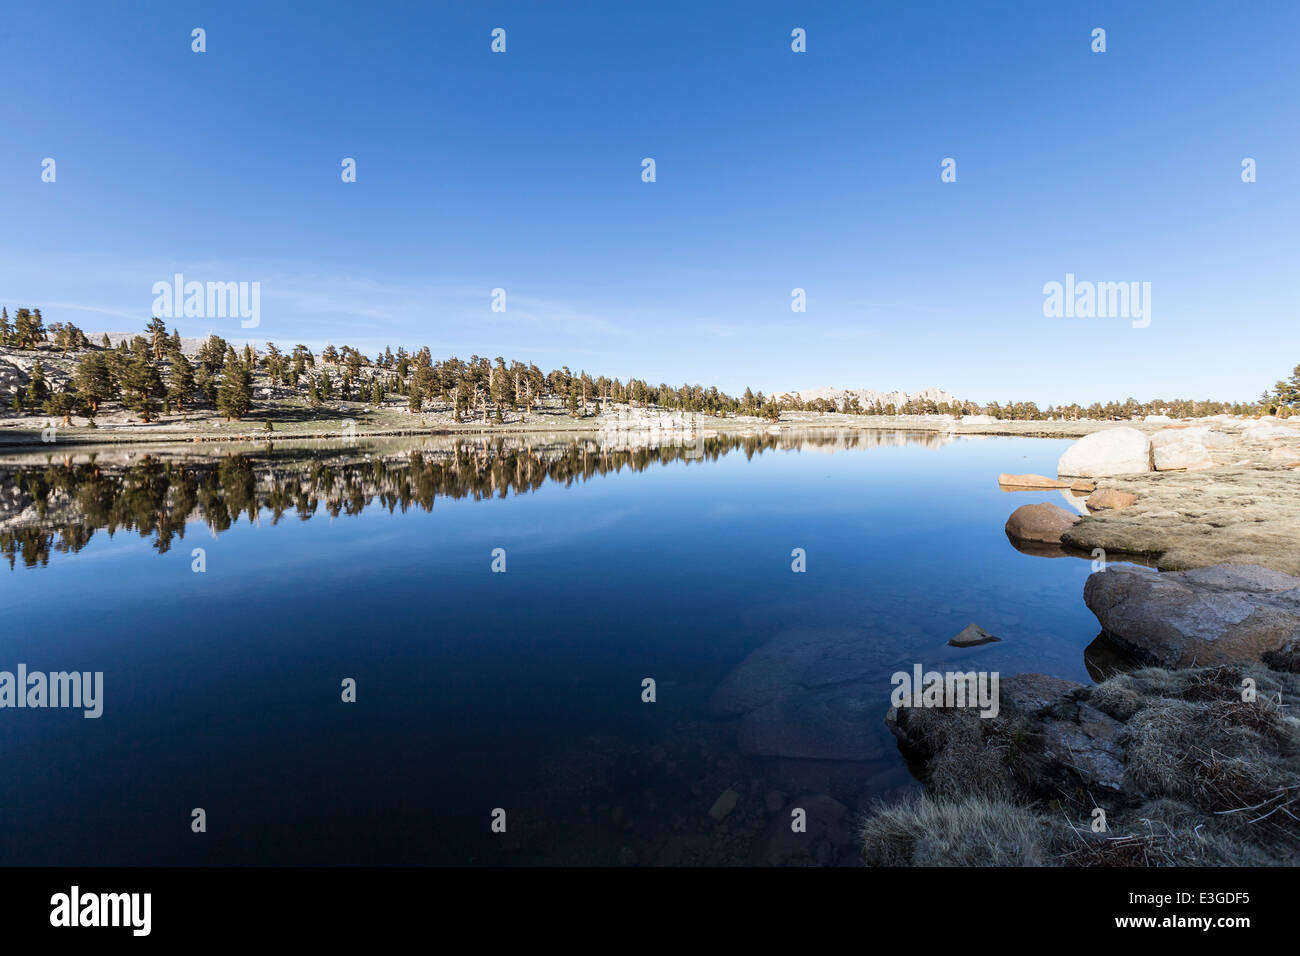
x=337, y=904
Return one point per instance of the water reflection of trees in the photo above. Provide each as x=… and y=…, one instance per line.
x=58, y=505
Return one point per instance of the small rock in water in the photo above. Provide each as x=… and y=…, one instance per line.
x=971, y=635
x=1043, y=523
x=724, y=805
x=1030, y=482
x=774, y=801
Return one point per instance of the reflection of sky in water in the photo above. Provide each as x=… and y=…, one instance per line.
x=222, y=689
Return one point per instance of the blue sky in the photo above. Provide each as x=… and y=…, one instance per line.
x=775, y=170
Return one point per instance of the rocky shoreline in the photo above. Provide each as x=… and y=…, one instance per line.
x=1193, y=758
x=1149, y=768
x=295, y=421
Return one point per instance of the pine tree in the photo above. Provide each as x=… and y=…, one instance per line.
x=143, y=385
x=93, y=380
x=274, y=363
x=65, y=404
x=180, y=390
x=422, y=383
x=462, y=399
x=6, y=331
x=212, y=354
x=68, y=336
x=37, y=328
x=235, y=396
x=157, y=330
x=22, y=329
x=1287, y=392
x=37, y=390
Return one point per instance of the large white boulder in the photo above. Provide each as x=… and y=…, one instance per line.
x=1114, y=451
x=1266, y=431
x=1201, y=434
x=1169, y=436
x=1181, y=456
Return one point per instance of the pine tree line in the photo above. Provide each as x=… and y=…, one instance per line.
x=480, y=389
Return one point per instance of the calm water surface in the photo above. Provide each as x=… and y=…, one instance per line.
x=479, y=690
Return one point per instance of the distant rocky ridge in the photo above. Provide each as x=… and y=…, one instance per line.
x=190, y=346
x=868, y=398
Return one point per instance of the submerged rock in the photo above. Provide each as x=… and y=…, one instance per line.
x=808, y=694
x=794, y=661
x=1199, y=617
x=1043, y=523
x=827, y=723
x=826, y=825
x=723, y=806
x=1115, y=451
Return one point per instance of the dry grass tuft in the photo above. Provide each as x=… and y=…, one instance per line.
x=976, y=831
